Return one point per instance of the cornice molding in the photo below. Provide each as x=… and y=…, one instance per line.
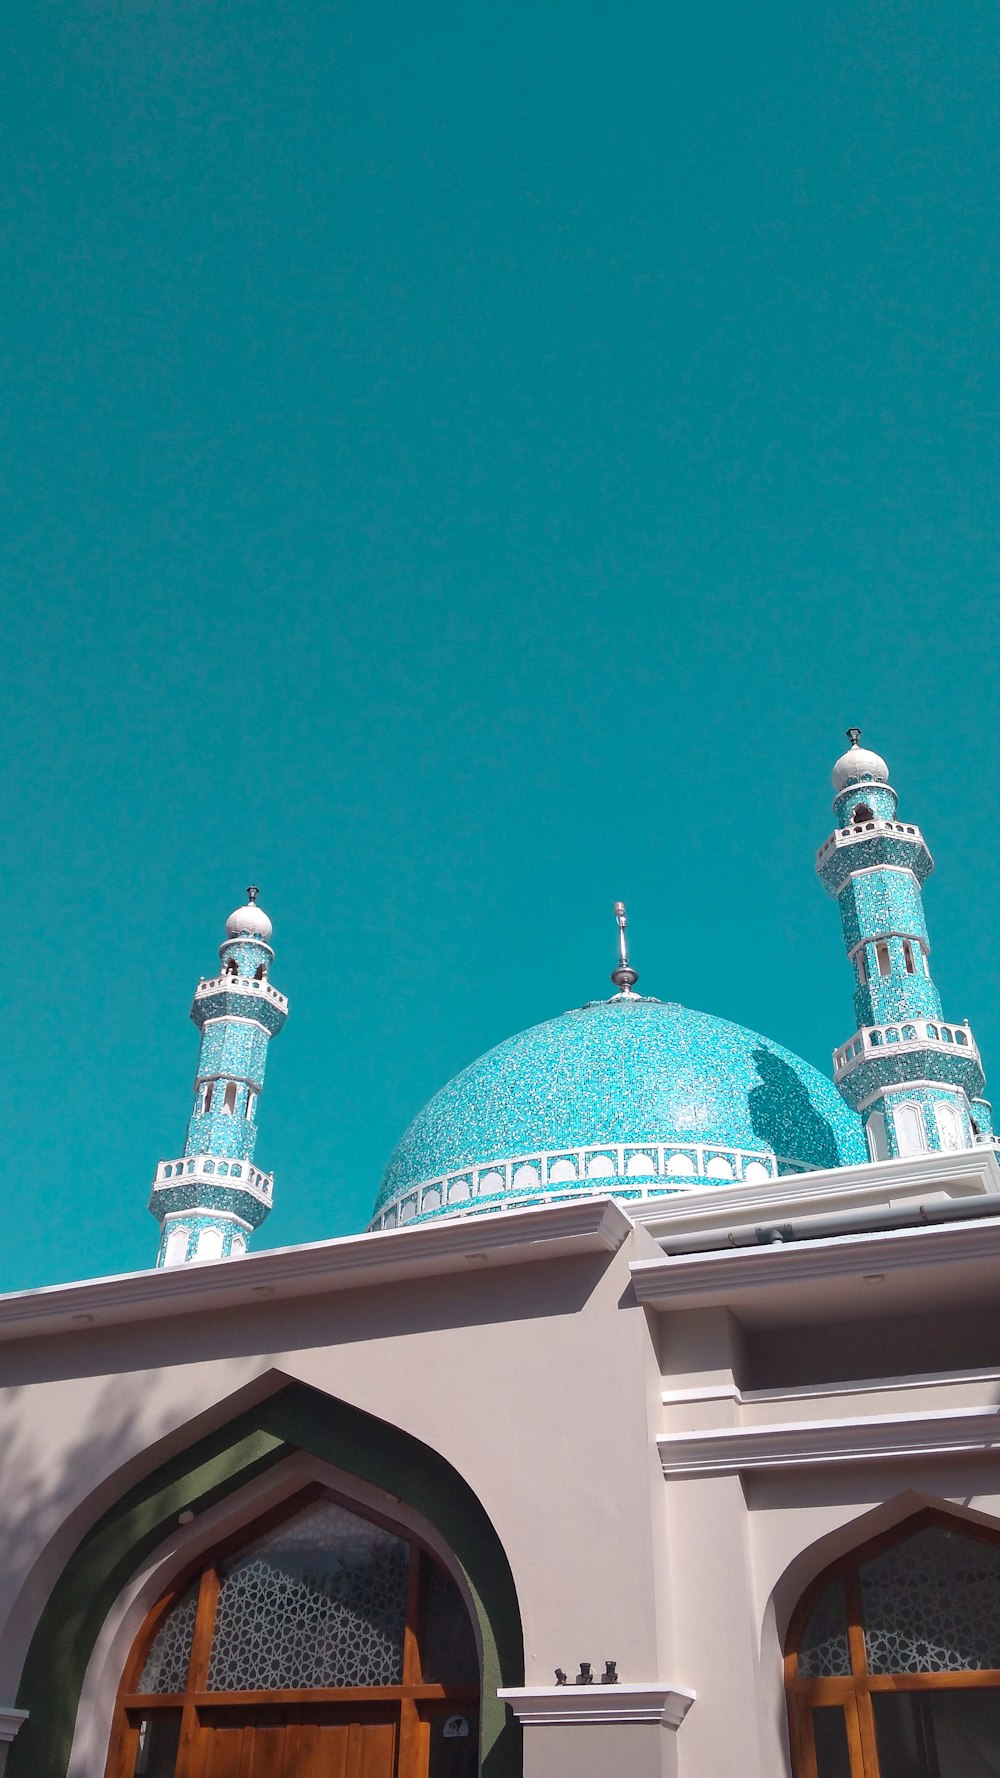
x=10, y=1722
x=558, y=1706
x=869, y=1183
x=868, y=1439
x=671, y=1283
x=514, y=1237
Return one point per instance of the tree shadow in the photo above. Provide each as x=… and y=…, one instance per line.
x=784, y=1116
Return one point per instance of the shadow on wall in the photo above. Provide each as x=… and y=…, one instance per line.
x=89, y=1576
x=784, y=1116
x=47, y=1495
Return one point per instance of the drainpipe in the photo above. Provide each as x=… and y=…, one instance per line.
x=840, y=1222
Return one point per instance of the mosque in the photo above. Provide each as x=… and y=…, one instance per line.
x=649, y=1431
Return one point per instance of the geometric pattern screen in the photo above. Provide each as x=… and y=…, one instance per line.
x=932, y=1605
x=166, y=1666
x=319, y=1601
x=823, y=1651
x=448, y=1651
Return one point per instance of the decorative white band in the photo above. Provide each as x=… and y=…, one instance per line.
x=902, y=1039
x=10, y=1721
x=239, y=984
x=560, y=1705
x=201, y=1167
x=844, y=836
x=732, y=1450
x=641, y=1167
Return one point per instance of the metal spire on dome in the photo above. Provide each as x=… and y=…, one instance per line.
x=624, y=977
x=253, y=891
x=854, y=736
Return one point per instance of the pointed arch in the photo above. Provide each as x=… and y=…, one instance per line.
x=360, y=1616
x=897, y=1642
x=294, y=1419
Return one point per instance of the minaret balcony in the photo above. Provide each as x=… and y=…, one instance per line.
x=216, y=1170
x=949, y=1054
x=227, y=983
x=870, y=844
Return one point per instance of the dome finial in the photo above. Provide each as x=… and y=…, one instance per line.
x=624, y=977
x=249, y=921
x=859, y=765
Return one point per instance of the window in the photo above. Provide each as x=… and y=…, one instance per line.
x=260, y=1651
x=908, y=1121
x=862, y=966
x=175, y=1252
x=862, y=813
x=206, y=1097
x=949, y=1123
x=232, y=967
x=210, y=1243
x=878, y=1145
x=892, y=1667
x=229, y=1102
x=911, y=968
x=251, y=1102
x=882, y=953
x=260, y=973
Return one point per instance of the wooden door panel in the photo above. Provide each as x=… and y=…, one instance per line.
x=377, y=1750
x=263, y=1752
x=220, y=1751
x=292, y=1743
x=331, y=1751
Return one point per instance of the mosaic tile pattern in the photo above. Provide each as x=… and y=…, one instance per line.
x=881, y=799
x=904, y=1051
x=237, y=1015
x=630, y=1071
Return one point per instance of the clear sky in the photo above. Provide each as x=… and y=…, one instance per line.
x=463, y=465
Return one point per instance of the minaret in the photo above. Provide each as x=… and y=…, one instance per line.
x=914, y=1076
x=210, y=1200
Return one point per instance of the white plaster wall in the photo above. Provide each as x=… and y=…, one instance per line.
x=541, y=1384
x=538, y=1383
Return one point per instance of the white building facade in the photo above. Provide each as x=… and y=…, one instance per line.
x=679, y=1465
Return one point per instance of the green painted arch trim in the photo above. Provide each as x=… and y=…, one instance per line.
x=296, y=1418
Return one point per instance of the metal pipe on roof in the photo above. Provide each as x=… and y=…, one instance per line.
x=838, y=1222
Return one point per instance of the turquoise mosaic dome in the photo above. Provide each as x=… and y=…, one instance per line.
x=631, y=1096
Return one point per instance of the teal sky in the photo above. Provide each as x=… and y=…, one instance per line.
x=462, y=465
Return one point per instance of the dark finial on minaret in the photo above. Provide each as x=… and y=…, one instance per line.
x=624, y=977
x=854, y=736
x=252, y=893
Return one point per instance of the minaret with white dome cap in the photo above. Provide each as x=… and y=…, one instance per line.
x=209, y=1200
x=914, y=1076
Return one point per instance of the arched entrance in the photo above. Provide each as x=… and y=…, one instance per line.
x=319, y=1643
x=892, y=1664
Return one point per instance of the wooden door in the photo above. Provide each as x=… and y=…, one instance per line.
x=292, y=1743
